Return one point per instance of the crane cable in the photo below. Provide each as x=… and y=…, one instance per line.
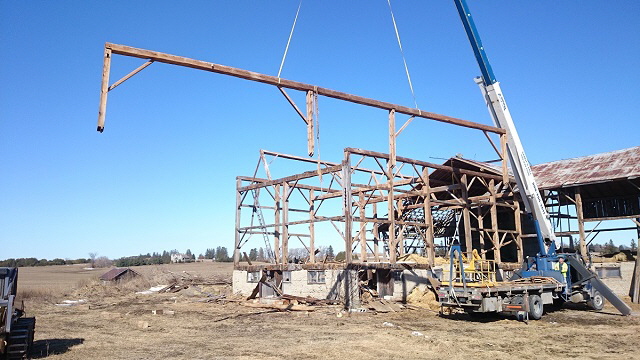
x=316, y=111
x=286, y=49
x=406, y=68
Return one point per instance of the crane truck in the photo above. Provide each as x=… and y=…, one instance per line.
x=475, y=285
x=16, y=330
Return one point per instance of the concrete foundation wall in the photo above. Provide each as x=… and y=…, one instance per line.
x=299, y=285
x=410, y=280
x=240, y=284
x=337, y=283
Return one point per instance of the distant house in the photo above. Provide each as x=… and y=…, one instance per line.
x=118, y=274
x=181, y=258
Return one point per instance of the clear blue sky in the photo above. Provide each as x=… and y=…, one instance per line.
x=162, y=175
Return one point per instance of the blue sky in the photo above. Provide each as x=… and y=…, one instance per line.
x=162, y=175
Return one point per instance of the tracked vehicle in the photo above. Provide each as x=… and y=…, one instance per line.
x=16, y=330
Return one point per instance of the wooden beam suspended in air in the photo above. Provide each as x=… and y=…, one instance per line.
x=267, y=79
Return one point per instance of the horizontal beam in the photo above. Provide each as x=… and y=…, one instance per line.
x=424, y=163
x=322, y=162
x=304, y=175
x=612, y=218
x=563, y=233
x=283, y=83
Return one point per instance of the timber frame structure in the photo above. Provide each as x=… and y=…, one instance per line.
x=412, y=199
x=415, y=192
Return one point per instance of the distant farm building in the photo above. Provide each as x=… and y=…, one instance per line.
x=118, y=274
x=181, y=258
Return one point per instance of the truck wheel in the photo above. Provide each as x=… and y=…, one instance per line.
x=596, y=302
x=535, y=307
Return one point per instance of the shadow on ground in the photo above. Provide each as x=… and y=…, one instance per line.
x=44, y=348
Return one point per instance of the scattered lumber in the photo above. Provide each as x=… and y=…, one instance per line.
x=308, y=299
x=173, y=288
x=281, y=307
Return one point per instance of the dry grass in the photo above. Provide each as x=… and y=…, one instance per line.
x=108, y=328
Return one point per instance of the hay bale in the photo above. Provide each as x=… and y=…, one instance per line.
x=423, y=298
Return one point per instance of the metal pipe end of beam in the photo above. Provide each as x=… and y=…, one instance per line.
x=100, y=129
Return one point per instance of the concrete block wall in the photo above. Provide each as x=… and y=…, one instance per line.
x=332, y=288
x=299, y=285
x=240, y=284
x=410, y=280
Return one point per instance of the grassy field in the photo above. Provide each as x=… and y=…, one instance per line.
x=117, y=323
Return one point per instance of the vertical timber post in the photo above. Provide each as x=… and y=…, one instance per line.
x=376, y=237
x=505, y=157
x=104, y=90
x=494, y=223
x=236, y=248
x=428, y=218
x=347, y=202
x=401, y=239
x=309, y=121
x=276, y=233
x=312, y=232
x=465, y=215
x=390, y=168
x=518, y=221
x=285, y=223
x=481, y=233
x=580, y=216
x=363, y=228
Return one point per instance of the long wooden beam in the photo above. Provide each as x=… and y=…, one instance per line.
x=273, y=80
x=423, y=163
x=304, y=175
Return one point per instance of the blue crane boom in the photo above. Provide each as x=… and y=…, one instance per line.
x=501, y=116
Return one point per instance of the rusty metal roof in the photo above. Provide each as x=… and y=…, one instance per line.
x=614, y=165
x=115, y=273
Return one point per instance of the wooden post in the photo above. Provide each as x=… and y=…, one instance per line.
x=481, y=232
x=104, y=90
x=363, y=228
x=401, y=239
x=465, y=215
x=376, y=238
x=285, y=223
x=347, y=201
x=312, y=232
x=505, y=160
x=236, y=248
x=392, y=139
x=309, y=121
x=580, y=215
x=391, y=163
x=494, y=222
x=518, y=221
x=428, y=218
x=277, y=231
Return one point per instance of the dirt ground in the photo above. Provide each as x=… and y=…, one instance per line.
x=117, y=323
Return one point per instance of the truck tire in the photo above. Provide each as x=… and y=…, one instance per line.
x=596, y=302
x=536, y=307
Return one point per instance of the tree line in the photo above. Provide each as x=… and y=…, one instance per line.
x=22, y=262
x=609, y=247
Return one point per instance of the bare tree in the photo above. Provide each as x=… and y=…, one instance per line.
x=102, y=262
x=92, y=256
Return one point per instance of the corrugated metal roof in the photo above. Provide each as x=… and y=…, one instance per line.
x=614, y=165
x=115, y=273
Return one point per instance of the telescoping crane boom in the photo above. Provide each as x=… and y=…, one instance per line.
x=575, y=283
x=501, y=116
